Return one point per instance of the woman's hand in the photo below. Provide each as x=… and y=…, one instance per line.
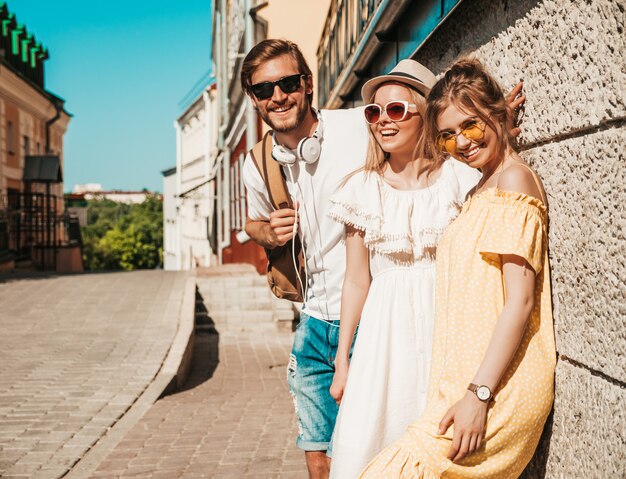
x=515, y=101
x=469, y=416
x=339, y=379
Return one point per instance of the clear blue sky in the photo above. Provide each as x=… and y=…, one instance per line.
x=123, y=67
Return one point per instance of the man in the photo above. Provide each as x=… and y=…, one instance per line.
x=280, y=85
x=279, y=82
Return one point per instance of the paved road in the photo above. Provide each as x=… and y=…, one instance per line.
x=75, y=353
x=234, y=418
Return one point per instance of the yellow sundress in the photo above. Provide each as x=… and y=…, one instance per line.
x=469, y=298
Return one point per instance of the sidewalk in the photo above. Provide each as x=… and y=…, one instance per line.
x=75, y=353
x=234, y=417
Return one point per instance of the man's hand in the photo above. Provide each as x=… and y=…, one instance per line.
x=469, y=416
x=273, y=232
x=515, y=103
x=282, y=225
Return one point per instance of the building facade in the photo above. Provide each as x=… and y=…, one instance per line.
x=190, y=188
x=238, y=26
x=33, y=122
x=171, y=250
x=571, y=57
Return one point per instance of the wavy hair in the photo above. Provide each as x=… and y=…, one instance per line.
x=471, y=88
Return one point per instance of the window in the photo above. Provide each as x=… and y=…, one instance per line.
x=10, y=139
x=224, y=207
x=232, y=198
x=25, y=146
x=242, y=192
x=13, y=199
x=237, y=197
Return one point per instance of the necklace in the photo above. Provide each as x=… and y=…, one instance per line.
x=496, y=172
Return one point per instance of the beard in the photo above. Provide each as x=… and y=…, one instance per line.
x=287, y=125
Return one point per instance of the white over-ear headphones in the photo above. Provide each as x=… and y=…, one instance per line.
x=308, y=150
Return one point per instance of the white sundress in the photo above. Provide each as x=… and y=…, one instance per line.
x=388, y=376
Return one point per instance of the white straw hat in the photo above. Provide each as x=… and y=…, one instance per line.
x=407, y=71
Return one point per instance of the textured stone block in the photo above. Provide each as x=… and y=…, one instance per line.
x=570, y=55
x=586, y=435
x=585, y=179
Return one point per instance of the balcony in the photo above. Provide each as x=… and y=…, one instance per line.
x=364, y=38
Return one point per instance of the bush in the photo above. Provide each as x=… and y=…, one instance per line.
x=123, y=237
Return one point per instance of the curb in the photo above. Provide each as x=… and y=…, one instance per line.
x=177, y=364
x=172, y=374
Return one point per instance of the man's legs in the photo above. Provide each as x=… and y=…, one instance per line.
x=318, y=464
x=310, y=374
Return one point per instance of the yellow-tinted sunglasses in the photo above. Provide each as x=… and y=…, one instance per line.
x=474, y=130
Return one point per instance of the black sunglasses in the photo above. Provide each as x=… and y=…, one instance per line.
x=265, y=90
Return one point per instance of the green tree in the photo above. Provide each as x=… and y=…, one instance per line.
x=123, y=237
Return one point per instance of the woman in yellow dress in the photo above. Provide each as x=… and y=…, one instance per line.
x=492, y=375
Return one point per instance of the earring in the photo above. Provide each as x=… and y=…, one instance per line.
x=386, y=155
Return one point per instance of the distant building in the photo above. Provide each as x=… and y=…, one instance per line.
x=190, y=189
x=121, y=196
x=33, y=121
x=171, y=248
x=94, y=191
x=87, y=188
x=76, y=205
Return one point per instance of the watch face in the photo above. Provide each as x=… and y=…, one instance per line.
x=483, y=393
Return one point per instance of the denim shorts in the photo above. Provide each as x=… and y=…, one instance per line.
x=310, y=375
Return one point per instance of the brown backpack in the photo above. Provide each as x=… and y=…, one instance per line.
x=281, y=272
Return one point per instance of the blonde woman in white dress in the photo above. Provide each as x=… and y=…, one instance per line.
x=394, y=211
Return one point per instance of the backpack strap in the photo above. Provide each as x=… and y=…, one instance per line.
x=271, y=173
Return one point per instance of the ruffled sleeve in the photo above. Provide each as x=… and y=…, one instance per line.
x=381, y=213
x=515, y=224
x=358, y=203
x=405, y=222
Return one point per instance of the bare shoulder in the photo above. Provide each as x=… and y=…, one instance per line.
x=519, y=178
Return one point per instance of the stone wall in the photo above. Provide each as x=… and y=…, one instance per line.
x=570, y=54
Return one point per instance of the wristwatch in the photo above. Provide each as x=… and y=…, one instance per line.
x=482, y=392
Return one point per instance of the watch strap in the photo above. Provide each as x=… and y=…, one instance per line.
x=474, y=388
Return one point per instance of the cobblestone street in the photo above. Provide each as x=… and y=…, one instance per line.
x=75, y=353
x=237, y=424
x=80, y=354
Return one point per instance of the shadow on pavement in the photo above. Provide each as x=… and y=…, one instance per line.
x=17, y=275
x=27, y=274
x=205, y=348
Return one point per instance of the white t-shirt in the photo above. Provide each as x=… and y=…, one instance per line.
x=344, y=146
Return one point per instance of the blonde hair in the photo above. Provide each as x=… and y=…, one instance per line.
x=471, y=88
x=376, y=157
